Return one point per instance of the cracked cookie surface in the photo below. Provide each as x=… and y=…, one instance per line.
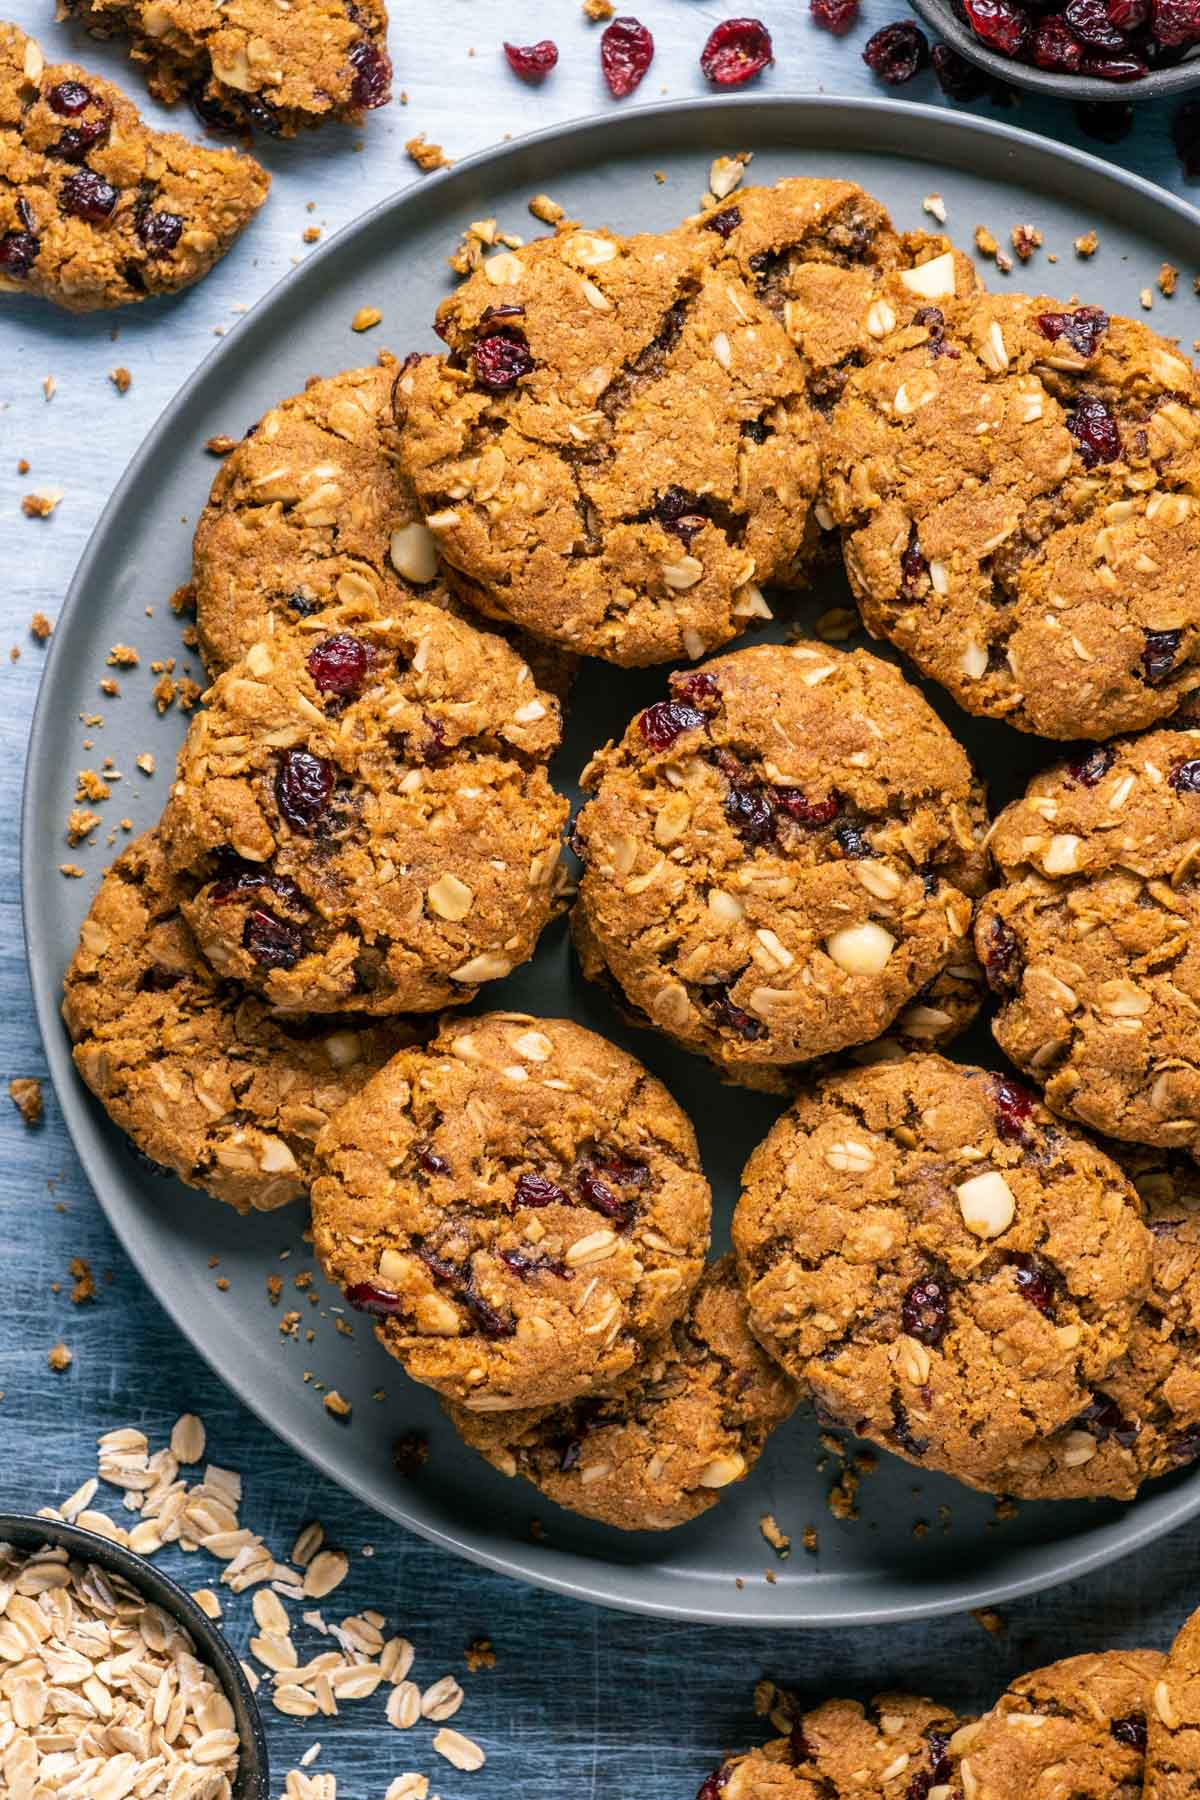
x=618, y=451
x=204, y=1080
x=1014, y=486
x=948, y=1269
x=1073, y=1731
x=897, y=1747
x=97, y=209
x=259, y=65
x=781, y=856
x=659, y=1448
x=520, y=1206
x=1173, y=1734
x=1092, y=939
x=368, y=816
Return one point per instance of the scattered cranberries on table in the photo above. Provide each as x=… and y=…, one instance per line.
x=626, y=52
x=737, y=50
x=532, y=62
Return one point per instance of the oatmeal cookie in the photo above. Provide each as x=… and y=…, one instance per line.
x=661, y=1445
x=1143, y=1420
x=97, y=209
x=260, y=66
x=894, y=1748
x=1015, y=487
x=895, y=1230
x=368, y=816
x=618, y=450
x=765, y=1774
x=1092, y=940
x=781, y=856
x=521, y=1207
x=1073, y=1731
x=206, y=1082
x=1173, y=1713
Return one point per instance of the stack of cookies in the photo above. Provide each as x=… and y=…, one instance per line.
x=630, y=448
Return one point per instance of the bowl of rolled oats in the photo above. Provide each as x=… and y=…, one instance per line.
x=113, y=1683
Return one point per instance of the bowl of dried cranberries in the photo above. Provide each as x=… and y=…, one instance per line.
x=1078, y=49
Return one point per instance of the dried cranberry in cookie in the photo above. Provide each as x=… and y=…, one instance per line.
x=387, y=786
x=1098, y=920
x=96, y=209
x=778, y=862
x=520, y=1207
x=885, y=1236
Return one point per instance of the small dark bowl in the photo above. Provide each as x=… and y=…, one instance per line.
x=941, y=17
x=28, y=1533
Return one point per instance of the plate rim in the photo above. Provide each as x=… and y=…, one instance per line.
x=579, y=1577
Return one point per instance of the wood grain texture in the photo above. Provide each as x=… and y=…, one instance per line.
x=595, y=1706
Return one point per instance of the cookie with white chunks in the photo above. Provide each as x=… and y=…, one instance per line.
x=898, y=1231
x=1075, y=1730
x=1173, y=1729
x=618, y=451
x=96, y=208
x=781, y=855
x=660, y=1446
x=520, y=1206
x=208, y=1084
x=268, y=67
x=368, y=815
x=1092, y=939
x=1014, y=481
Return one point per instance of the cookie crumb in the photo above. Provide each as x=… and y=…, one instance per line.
x=1146, y=300
x=809, y=1539
x=49, y=387
x=40, y=627
x=85, y=1282
x=110, y=687
x=221, y=445
x=122, y=656
x=25, y=1092
x=985, y=243
x=81, y=822
x=1168, y=279
x=1025, y=240
x=41, y=503
x=547, y=210
x=59, y=1358
x=311, y=234
x=598, y=11
x=990, y=1621
x=365, y=318
x=1087, y=244
x=90, y=785
x=1003, y=263
x=121, y=379
x=24, y=466
x=145, y=762
x=935, y=205
x=480, y=1654
x=72, y=871
x=335, y=1404
x=840, y=1498
x=726, y=173
x=428, y=157
x=779, y=1540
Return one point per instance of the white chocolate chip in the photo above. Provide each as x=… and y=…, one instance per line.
x=861, y=949
x=413, y=551
x=1062, y=855
x=449, y=898
x=934, y=280
x=986, y=1203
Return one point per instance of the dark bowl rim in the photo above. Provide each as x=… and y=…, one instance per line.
x=941, y=17
x=253, y=1782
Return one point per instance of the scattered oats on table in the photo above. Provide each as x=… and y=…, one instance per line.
x=25, y=1092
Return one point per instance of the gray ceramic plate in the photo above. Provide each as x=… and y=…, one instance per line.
x=874, y=1568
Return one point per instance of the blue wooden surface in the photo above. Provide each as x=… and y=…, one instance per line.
x=581, y=1703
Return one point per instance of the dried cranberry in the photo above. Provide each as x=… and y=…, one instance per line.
x=339, y=664
x=597, y=1193
x=735, y=1017
x=737, y=50
x=729, y=218
x=1001, y=958
x=958, y=78
x=1036, y=1281
x=67, y=98
x=271, y=942
x=837, y=16
x=1185, y=135
x=1013, y=1107
x=1107, y=121
x=250, y=880
x=1090, y=769
x=1083, y=328
x=807, y=812
x=1114, y=68
x=749, y=810
x=303, y=605
x=1185, y=777
x=1104, y=1419
x=934, y=321
x=216, y=113
x=1090, y=22
x=431, y=1162
x=913, y=567
x=303, y=789
x=757, y=430
x=1095, y=431
x=897, y=52
x=626, y=52
x=159, y=231
x=539, y=1190
x=492, y=1324
x=372, y=83
x=999, y=24
x=624, y=1170
x=433, y=748
x=681, y=513
x=86, y=195
x=18, y=252
x=698, y=689
x=1056, y=47
x=532, y=62
x=1131, y=1732
x=926, y=1311
x=524, y=1265
x=1128, y=15
x=713, y=1786
x=852, y=838
x=1158, y=655
x=663, y=722
x=1176, y=21
x=501, y=360
x=369, y=1297
x=77, y=140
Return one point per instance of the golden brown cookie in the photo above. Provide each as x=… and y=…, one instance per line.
x=1092, y=940
x=764, y=1774
x=208, y=1085
x=367, y=815
x=618, y=451
x=1073, y=1731
x=780, y=857
x=661, y=1445
x=893, y=1233
x=1173, y=1733
x=895, y=1748
x=521, y=1206
x=96, y=209
x=263, y=66
x=1013, y=480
